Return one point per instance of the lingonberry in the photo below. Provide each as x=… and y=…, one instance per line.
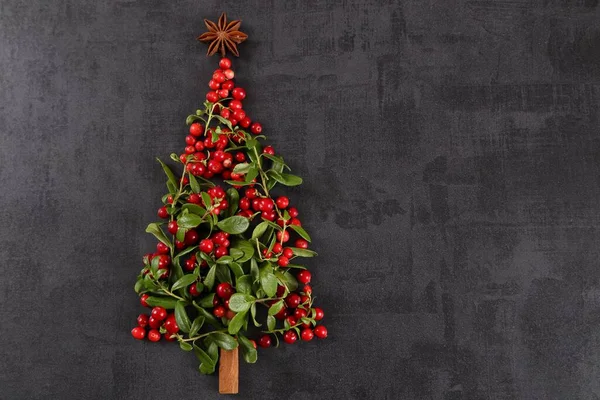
x=300, y=313
x=212, y=96
x=154, y=323
x=153, y=335
x=194, y=198
x=214, y=85
x=280, y=290
x=245, y=123
x=179, y=245
x=219, y=77
x=269, y=215
x=239, y=114
x=190, y=263
x=283, y=261
x=320, y=332
x=159, y=313
x=318, y=314
x=290, y=337
x=304, y=299
x=277, y=247
x=190, y=140
x=194, y=290
x=244, y=203
x=138, y=332
x=172, y=227
x=302, y=244
x=289, y=253
x=224, y=290
x=229, y=314
x=206, y=246
x=162, y=248
x=223, y=93
x=143, y=299
x=282, y=202
x=171, y=324
x=293, y=211
x=303, y=276
x=142, y=320
x=163, y=261
x=307, y=289
x=196, y=129
x=190, y=149
x=283, y=236
x=229, y=74
x=239, y=93
x=227, y=85
x=282, y=313
x=163, y=213
x=292, y=300
x=170, y=199
x=219, y=311
x=264, y=341
x=199, y=145
x=219, y=238
x=235, y=104
x=269, y=150
x=256, y=128
x=221, y=251
x=225, y=63
x=291, y=320
x=295, y=221
x=307, y=335
x=225, y=112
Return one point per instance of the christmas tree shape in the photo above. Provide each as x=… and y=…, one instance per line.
x=228, y=262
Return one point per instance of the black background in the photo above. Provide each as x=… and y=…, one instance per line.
x=450, y=152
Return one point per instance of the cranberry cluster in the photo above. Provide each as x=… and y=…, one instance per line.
x=151, y=326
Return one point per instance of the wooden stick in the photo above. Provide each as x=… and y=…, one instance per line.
x=229, y=371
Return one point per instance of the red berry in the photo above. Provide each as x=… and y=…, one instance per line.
x=194, y=290
x=283, y=236
x=290, y=337
x=154, y=323
x=171, y=324
x=154, y=335
x=142, y=320
x=191, y=237
x=223, y=93
x=219, y=77
x=206, y=246
x=138, y=332
x=320, y=332
x=190, y=140
x=283, y=261
x=235, y=105
x=172, y=227
x=318, y=314
x=219, y=311
x=229, y=74
x=292, y=300
x=302, y=244
x=229, y=314
x=307, y=289
x=293, y=211
x=291, y=320
x=269, y=150
x=277, y=247
x=227, y=85
x=169, y=337
x=307, y=335
x=280, y=290
x=170, y=199
x=300, y=313
x=264, y=341
x=225, y=63
x=294, y=221
x=282, y=313
x=283, y=202
x=244, y=203
x=289, y=253
x=196, y=129
x=143, y=299
x=303, y=276
x=212, y=96
x=213, y=85
x=221, y=251
x=163, y=213
x=224, y=290
x=162, y=248
x=256, y=128
x=159, y=313
x=251, y=193
x=164, y=261
x=239, y=93
x=245, y=123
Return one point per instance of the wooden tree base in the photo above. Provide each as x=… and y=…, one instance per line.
x=229, y=371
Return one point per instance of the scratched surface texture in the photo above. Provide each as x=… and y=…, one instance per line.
x=451, y=156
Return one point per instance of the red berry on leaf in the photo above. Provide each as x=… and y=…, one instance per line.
x=318, y=314
x=320, y=332
x=264, y=341
x=196, y=129
x=282, y=202
x=143, y=299
x=292, y=300
x=159, y=313
x=142, y=320
x=163, y=213
x=172, y=227
x=239, y=93
x=224, y=290
x=206, y=246
x=225, y=63
x=269, y=150
x=256, y=128
x=154, y=335
x=138, y=332
x=307, y=335
x=303, y=276
x=290, y=337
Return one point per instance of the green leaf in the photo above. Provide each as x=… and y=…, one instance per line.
x=251, y=174
x=233, y=198
x=268, y=281
x=234, y=225
x=223, y=274
x=224, y=121
x=139, y=285
x=191, y=119
x=209, y=318
x=202, y=356
x=169, y=173
x=236, y=269
x=223, y=340
x=225, y=260
x=243, y=284
x=149, y=283
x=206, y=199
x=189, y=220
x=254, y=271
x=248, y=351
x=259, y=230
x=196, y=326
x=288, y=279
x=237, y=183
x=237, y=322
x=241, y=168
x=155, y=229
x=194, y=209
x=253, y=313
x=175, y=158
x=194, y=184
x=271, y=322
x=180, y=235
x=275, y=308
x=207, y=301
x=183, y=321
x=241, y=302
x=164, y=302
x=286, y=179
x=206, y=369
x=184, y=282
x=186, y=251
x=185, y=346
x=209, y=280
x=303, y=252
x=172, y=189
x=246, y=247
x=300, y=231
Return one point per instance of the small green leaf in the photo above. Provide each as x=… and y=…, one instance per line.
x=223, y=340
x=288, y=279
x=236, y=269
x=300, y=231
x=165, y=302
x=246, y=247
x=207, y=301
x=223, y=274
x=243, y=284
x=185, y=346
x=268, y=281
x=225, y=260
x=169, y=173
x=183, y=321
x=191, y=119
x=206, y=369
x=180, y=235
x=234, y=225
x=241, y=168
x=233, y=198
x=183, y=282
x=155, y=229
x=259, y=230
x=275, y=308
x=241, y=302
x=194, y=184
x=194, y=209
x=224, y=121
x=248, y=351
x=253, y=313
x=209, y=318
x=271, y=322
x=202, y=356
x=286, y=179
x=254, y=271
x=189, y=220
x=196, y=326
x=303, y=252
x=206, y=199
x=251, y=174
x=209, y=280
x=237, y=322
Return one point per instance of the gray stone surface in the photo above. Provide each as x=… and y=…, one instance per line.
x=451, y=155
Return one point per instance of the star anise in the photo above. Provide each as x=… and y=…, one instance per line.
x=223, y=35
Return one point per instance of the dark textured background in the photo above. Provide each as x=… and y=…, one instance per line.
x=451, y=155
